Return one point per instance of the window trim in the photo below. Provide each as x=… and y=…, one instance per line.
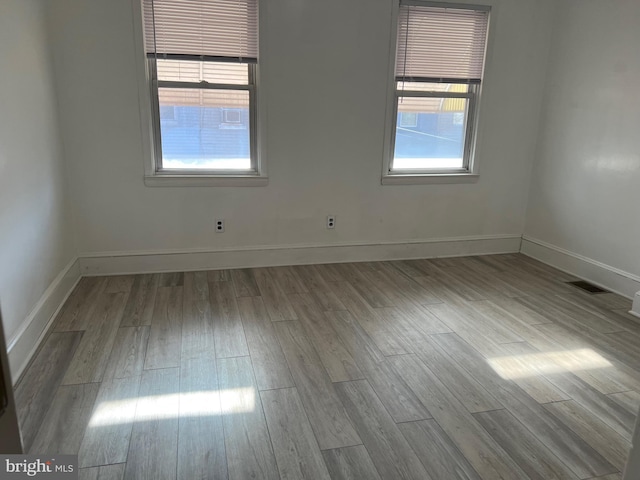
x=469, y=134
x=150, y=176
x=468, y=174
x=155, y=85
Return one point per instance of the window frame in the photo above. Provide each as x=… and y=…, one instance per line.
x=469, y=134
x=151, y=177
x=469, y=172
x=155, y=84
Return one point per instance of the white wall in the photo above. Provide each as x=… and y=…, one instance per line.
x=324, y=72
x=585, y=193
x=35, y=240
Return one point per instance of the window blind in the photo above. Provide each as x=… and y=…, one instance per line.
x=192, y=97
x=217, y=29
x=440, y=44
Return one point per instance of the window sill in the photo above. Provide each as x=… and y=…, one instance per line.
x=205, y=181
x=429, y=178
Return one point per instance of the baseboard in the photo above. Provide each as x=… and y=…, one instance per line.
x=167, y=261
x=598, y=273
x=33, y=329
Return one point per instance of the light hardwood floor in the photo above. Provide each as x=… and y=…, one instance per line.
x=489, y=367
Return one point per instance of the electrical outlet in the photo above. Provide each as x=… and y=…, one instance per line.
x=219, y=225
x=331, y=221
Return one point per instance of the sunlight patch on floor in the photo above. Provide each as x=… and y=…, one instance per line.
x=174, y=405
x=529, y=365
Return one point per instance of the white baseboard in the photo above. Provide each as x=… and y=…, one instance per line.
x=167, y=261
x=598, y=273
x=33, y=329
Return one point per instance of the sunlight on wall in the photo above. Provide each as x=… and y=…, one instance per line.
x=174, y=405
x=530, y=365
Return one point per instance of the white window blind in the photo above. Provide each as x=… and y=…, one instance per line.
x=440, y=44
x=218, y=29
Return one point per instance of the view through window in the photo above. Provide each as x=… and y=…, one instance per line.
x=204, y=128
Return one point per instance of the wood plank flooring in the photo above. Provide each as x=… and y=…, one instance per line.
x=474, y=368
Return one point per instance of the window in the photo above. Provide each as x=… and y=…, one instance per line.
x=202, y=57
x=438, y=72
x=407, y=119
x=233, y=118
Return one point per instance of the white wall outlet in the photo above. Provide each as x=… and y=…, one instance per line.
x=331, y=221
x=219, y=224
